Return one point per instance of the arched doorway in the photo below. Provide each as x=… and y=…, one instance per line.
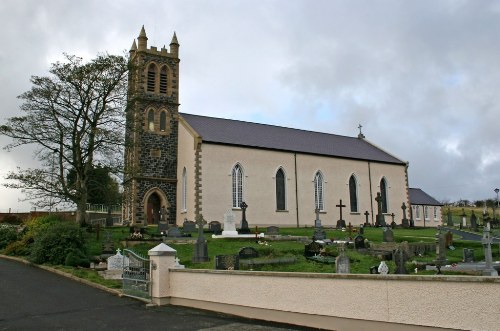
x=153, y=208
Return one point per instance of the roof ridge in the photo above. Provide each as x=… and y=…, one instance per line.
x=271, y=125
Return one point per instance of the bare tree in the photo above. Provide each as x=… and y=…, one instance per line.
x=74, y=117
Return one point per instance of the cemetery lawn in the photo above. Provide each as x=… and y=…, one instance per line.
x=279, y=253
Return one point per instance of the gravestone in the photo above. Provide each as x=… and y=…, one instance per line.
x=189, y=226
x=380, y=216
x=116, y=262
x=473, y=221
x=341, y=222
x=200, y=247
x=361, y=229
x=273, y=231
x=400, y=257
x=374, y=269
x=393, y=223
x=388, y=235
x=162, y=227
x=244, y=229
x=486, y=241
x=174, y=232
x=342, y=263
x=312, y=249
x=468, y=255
x=448, y=239
x=227, y=262
x=229, y=224
x=248, y=253
x=108, y=246
x=404, y=221
x=359, y=242
x=215, y=227
x=440, y=249
x=367, y=223
x=319, y=233
x=464, y=219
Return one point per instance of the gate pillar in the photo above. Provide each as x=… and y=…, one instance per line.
x=162, y=259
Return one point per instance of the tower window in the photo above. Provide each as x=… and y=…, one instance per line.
x=151, y=120
x=163, y=121
x=151, y=78
x=163, y=80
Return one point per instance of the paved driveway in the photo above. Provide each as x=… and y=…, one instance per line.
x=35, y=299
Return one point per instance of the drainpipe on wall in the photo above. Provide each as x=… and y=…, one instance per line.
x=296, y=190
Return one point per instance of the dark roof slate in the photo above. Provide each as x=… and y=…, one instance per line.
x=419, y=197
x=240, y=133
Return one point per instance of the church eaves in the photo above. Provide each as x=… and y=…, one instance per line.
x=247, y=134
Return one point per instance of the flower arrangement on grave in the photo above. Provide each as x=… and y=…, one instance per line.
x=136, y=235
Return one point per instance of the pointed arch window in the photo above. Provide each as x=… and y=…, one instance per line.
x=151, y=120
x=163, y=80
x=151, y=78
x=319, y=191
x=383, y=194
x=163, y=121
x=237, y=179
x=184, y=190
x=353, y=194
x=280, y=190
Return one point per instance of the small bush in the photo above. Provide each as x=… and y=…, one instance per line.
x=76, y=258
x=53, y=243
x=8, y=234
x=18, y=248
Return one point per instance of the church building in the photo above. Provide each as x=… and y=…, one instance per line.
x=197, y=165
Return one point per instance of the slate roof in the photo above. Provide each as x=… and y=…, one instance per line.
x=240, y=133
x=419, y=197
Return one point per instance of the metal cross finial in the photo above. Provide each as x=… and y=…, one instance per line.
x=359, y=127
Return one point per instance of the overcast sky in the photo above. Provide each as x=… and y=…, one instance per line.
x=421, y=77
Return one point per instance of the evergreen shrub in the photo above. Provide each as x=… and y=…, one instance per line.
x=8, y=234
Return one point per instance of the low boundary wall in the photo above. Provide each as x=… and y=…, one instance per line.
x=332, y=301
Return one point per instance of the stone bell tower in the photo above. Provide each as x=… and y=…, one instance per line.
x=151, y=133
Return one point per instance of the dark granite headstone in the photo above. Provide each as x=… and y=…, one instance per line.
x=248, y=253
x=400, y=257
x=367, y=223
x=215, y=227
x=361, y=229
x=359, y=242
x=108, y=246
x=200, y=247
x=244, y=229
x=174, y=232
x=388, y=235
x=227, y=262
x=273, y=231
x=312, y=249
x=189, y=226
x=473, y=222
x=109, y=219
x=374, y=269
x=468, y=255
x=341, y=222
x=404, y=222
x=162, y=227
x=380, y=216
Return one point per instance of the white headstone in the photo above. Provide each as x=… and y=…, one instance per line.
x=177, y=264
x=229, y=224
x=383, y=269
x=115, y=262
